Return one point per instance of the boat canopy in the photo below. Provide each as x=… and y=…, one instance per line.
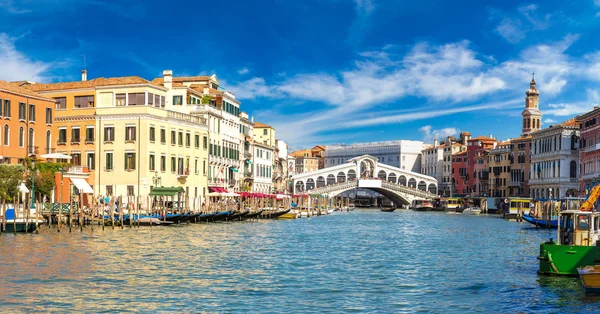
x=166, y=191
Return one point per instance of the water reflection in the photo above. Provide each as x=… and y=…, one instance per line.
x=361, y=261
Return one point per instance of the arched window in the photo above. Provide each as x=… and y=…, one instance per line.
x=6, y=135
x=341, y=177
x=21, y=137
x=48, y=142
x=320, y=182
x=30, y=141
x=330, y=179
x=573, y=169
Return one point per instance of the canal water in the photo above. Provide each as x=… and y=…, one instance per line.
x=363, y=261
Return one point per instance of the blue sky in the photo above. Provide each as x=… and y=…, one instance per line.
x=330, y=71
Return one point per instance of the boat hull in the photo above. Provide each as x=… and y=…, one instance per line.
x=288, y=216
x=563, y=260
x=590, y=278
x=21, y=226
x=553, y=224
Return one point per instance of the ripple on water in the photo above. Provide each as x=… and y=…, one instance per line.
x=364, y=261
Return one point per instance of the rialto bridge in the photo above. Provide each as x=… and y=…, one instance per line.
x=400, y=186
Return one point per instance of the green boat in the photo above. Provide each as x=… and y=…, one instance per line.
x=578, y=244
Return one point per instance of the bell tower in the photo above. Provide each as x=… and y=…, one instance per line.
x=532, y=116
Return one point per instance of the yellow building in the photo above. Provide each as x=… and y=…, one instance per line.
x=134, y=139
x=499, y=163
x=264, y=134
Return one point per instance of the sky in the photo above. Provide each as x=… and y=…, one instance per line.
x=330, y=71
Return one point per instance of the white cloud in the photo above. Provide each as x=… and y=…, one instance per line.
x=574, y=108
x=16, y=66
x=363, y=10
x=513, y=27
x=243, y=71
x=549, y=121
x=12, y=7
x=429, y=134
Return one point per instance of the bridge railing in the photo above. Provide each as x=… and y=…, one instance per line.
x=384, y=184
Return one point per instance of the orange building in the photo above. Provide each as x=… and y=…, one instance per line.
x=27, y=126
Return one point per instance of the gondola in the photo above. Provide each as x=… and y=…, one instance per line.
x=174, y=218
x=220, y=216
x=253, y=215
x=552, y=224
x=206, y=217
x=189, y=217
x=238, y=215
x=277, y=214
x=387, y=209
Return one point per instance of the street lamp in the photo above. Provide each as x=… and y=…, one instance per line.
x=156, y=179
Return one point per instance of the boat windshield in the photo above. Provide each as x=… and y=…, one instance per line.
x=583, y=222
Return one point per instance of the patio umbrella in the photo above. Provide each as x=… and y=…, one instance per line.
x=56, y=156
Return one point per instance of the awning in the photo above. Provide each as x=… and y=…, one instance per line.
x=217, y=189
x=248, y=161
x=234, y=169
x=166, y=191
x=82, y=185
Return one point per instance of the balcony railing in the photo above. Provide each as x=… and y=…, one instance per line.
x=592, y=148
x=552, y=180
x=515, y=183
x=183, y=174
x=33, y=150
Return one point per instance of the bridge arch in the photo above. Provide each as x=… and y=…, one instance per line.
x=330, y=179
x=422, y=186
x=402, y=180
x=341, y=177
x=351, y=175
x=392, y=177
x=320, y=182
x=412, y=183
x=310, y=184
x=300, y=186
x=432, y=188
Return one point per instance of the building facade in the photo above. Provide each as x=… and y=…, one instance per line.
x=403, y=154
x=519, y=168
x=432, y=160
x=475, y=148
x=589, y=153
x=246, y=135
x=27, y=126
x=459, y=173
x=499, y=162
x=532, y=117
x=264, y=134
x=263, y=168
x=554, y=161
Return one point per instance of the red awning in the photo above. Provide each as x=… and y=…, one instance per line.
x=217, y=189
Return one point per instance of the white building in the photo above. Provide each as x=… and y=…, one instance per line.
x=246, y=134
x=263, y=168
x=554, y=160
x=432, y=160
x=403, y=154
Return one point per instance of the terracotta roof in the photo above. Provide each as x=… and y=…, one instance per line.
x=16, y=89
x=101, y=81
x=160, y=80
x=433, y=147
x=521, y=139
x=319, y=147
x=460, y=153
x=300, y=153
x=482, y=138
x=258, y=125
x=457, y=144
x=570, y=122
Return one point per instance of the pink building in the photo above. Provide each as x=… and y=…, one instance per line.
x=589, y=153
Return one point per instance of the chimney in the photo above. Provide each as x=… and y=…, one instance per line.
x=83, y=75
x=168, y=78
x=491, y=135
x=595, y=107
x=435, y=142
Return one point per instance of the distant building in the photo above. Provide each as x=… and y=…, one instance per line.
x=304, y=161
x=519, y=167
x=459, y=173
x=532, y=117
x=554, y=159
x=263, y=168
x=499, y=161
x=403, y=154
x=589, y=153
x=475, y=147
x=264, y=134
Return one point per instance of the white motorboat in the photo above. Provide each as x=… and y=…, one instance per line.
x=472, y=211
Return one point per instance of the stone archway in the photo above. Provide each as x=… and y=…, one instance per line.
x=402, y=180
x=366, y=168
x=351, y=175
x=299, y=186
x=320, y=182
x=412, y=183
x=422, y=186
x=330, y=179
x=392, y=177
x=341, y=177
x=381, y=175
x=310, y=184
x=432, y=188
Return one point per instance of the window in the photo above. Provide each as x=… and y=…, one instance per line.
x=130, y=190
x=129, y=161
x=180, y=138
x=109, y=161
x=163, y=136
x=173, y=137
x=120, y=100
x=152, y=135
x=162, y=101
x=173, y=164
x=84, y=101
x=22, y=111
x=109, y=190
x=130, y=133
x=91, y=161
x=204, y=167
x=177, y=100
x=136, y=99
x=89, y=134
x=150, y=99
x=75, y=135
x=151, y=162
x=187, y=139
x=48, y=115
x=6, y=135
x=32, y=112
x=196, y=166
x=76, y=159
x=62, y=136
x=163, y=163
x=157, y=101
x=109, y=133
x=6, y=108
x=1, y=107
x=61, y=103
x=204, y=142
x=265, y=132
x=197, y=140
x=21, y=137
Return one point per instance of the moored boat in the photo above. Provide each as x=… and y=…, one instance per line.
x=590, y=278
x=472, y=211
x=544, y=223
x=14, y=224
x=421, y=205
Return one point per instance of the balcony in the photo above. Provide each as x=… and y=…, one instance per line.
x=247, y=155
x=183, y=174
x=75, y=169
x=592, y=148
x=33, y=150
x=515, y=183
x=552, y=181
x=248, y=175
